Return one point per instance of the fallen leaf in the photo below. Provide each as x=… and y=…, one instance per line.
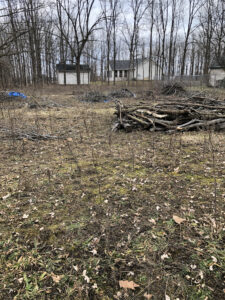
x=214, y=259
x=86, y=278
x=52, y=214
x=201, y=274
x=56, y=278
x=152, y=221
x=148, y=296
x=128, y=284
x=94, y=252
x=178, y=220
x=164, y=256
x=20, y=280
x=176, y=170
x=6, y=196
x=76, y=268
x=94, y=286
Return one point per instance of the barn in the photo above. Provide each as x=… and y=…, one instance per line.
x=67, y=75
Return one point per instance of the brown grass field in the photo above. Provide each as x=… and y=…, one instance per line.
x=90, y=208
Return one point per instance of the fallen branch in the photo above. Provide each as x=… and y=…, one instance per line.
x=171, y=116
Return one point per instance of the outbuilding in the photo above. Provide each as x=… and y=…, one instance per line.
x=217, y=73
x=67, y=74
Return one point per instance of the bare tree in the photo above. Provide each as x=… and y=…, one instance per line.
x=108, y=17
x=193, y=7
x=81, y=27
x=175, y=21
x=219, y=29
x=164, y=12
x=131, y=35
x=151, y=5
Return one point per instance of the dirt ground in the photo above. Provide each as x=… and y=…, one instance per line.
x=89, y=210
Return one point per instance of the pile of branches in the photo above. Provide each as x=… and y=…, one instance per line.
x=94, y=97
x=197, y=113
x=173, y=88
x=123, y=93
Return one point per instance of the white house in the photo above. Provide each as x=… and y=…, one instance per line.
x=66, y=74
x=217, y=72
x=140, y=71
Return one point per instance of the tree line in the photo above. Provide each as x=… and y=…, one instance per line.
x=181, y=36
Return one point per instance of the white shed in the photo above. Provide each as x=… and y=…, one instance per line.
x=66, y=74
x=217, y=72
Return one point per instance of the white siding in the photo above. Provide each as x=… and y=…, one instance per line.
x=142, y=71
x=215, y=75
x=71, y=78
x=118, y=78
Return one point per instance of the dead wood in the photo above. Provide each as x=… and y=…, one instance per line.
x=178, y=115
x=173, y=88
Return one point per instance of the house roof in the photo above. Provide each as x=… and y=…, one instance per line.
x=71, y=68
x=218, y=63
x=124, y=64
x=120, y=64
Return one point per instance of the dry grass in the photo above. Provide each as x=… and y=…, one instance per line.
x=81, y=212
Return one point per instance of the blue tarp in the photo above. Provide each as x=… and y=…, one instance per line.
x=17, y=94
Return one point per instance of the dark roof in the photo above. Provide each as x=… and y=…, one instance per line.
x=124, y=64
x=120, y=64
x=218, y=63
x=71, y=68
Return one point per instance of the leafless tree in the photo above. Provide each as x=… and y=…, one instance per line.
x=81, y=27
x=193, y=7
x=131, y=33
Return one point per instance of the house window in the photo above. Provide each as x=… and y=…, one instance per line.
x=115, y=73
x=125, y=73
x=121, y=73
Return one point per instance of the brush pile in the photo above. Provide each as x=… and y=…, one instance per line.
x=173, y=88
x=196, y=113
x=94, y=97
x=123, y=93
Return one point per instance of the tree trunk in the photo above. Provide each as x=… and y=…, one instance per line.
x=78, y=69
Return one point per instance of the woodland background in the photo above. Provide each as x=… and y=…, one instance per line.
x=182, y=36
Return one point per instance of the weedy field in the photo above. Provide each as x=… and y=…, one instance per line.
x=87, y=213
